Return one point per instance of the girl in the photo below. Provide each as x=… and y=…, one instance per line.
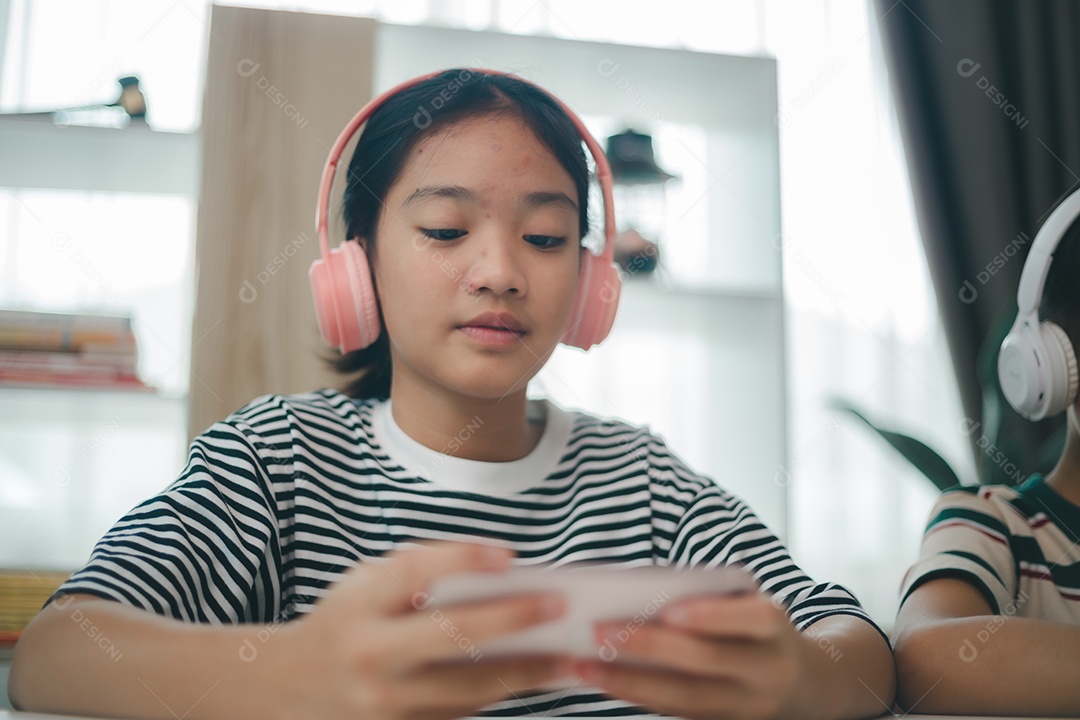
x=277, y=576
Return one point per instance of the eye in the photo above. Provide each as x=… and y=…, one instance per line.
x=444, y=234
x=545, y=241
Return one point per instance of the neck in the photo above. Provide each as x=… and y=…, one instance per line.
x=1065, y=477
x=470, y=428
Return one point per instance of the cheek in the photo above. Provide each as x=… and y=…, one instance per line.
x=424, y=261
x=413, y=281
x=569, y=281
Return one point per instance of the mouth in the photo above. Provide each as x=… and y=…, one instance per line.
x=499, y=329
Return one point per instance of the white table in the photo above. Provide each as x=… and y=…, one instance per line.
x=7, y=715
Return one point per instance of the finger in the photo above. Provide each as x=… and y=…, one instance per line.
x=468, y=686
x=669, y=693
x=458, y=632
x=397, y=581
x=751, y=617
x=733, y=659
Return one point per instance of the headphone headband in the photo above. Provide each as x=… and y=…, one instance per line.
x=1037, y=264
x=603, y=169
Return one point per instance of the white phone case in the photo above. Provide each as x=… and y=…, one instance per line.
x=592, y=594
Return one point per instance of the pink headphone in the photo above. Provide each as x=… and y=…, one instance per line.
x=345, y=302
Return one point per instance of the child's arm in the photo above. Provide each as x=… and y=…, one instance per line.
x=741, y=657
x=367, y=650
x=148, y=666
x=954, y=655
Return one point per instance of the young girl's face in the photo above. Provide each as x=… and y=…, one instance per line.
x=476, y=260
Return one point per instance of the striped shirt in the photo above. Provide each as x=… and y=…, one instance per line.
x=289, y=492
x=1019, y=546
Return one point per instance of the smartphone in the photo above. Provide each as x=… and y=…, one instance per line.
x=593, y=594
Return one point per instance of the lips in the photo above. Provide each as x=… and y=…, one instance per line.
x=493, y=330
x=504, y=321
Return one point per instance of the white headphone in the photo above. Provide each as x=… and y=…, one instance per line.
x=1037, y=364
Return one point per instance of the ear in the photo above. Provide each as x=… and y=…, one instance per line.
x=366, y=246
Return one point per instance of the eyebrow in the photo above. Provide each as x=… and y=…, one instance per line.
x=464, y=194
x=539, y=199
x=452, y=192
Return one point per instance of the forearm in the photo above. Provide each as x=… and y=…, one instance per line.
x=849, y=671
x=98, y=657
x=992, y=664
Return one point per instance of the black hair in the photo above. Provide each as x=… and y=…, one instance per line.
x=395, y=128
x=1060, y=302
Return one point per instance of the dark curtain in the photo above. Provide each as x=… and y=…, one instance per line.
x=988, y=96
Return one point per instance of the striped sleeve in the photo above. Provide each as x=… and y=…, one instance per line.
x=717, y=528
x=966, y=538
x=203, y=550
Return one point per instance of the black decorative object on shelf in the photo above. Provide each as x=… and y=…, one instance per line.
x=131, y=100
x=630, y=155
x=640, y=202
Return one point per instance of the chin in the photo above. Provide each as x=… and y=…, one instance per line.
x=487, y=383
x=492, y=388
x=488, y=376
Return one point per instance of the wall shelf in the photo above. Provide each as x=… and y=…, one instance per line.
x=73, y=460
x=37, y=153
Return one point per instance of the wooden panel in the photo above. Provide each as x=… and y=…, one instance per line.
x=279, y=88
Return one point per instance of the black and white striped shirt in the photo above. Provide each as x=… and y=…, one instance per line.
x=283, y=496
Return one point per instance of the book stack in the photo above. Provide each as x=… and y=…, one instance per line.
x=42, y=348
x=22, y=594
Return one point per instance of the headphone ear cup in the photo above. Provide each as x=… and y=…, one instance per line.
x=1062, y=362
x=595, y=302
x=345, y=303
x=1019, y=371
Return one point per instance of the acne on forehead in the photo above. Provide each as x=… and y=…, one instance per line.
x=526, y=160
x=496, y=122
x=507, y=140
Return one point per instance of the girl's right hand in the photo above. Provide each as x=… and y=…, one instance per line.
x=369, y=649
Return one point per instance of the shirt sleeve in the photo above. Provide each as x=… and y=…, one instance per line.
x=716, y=528
x=966, y=538
x=206, y=549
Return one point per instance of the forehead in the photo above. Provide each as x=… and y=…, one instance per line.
x=481, y=148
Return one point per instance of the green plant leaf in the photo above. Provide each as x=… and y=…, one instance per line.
x=918, y=453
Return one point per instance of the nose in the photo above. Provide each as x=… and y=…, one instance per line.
x=496, y=266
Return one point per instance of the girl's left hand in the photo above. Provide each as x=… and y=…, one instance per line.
x=717, y=657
